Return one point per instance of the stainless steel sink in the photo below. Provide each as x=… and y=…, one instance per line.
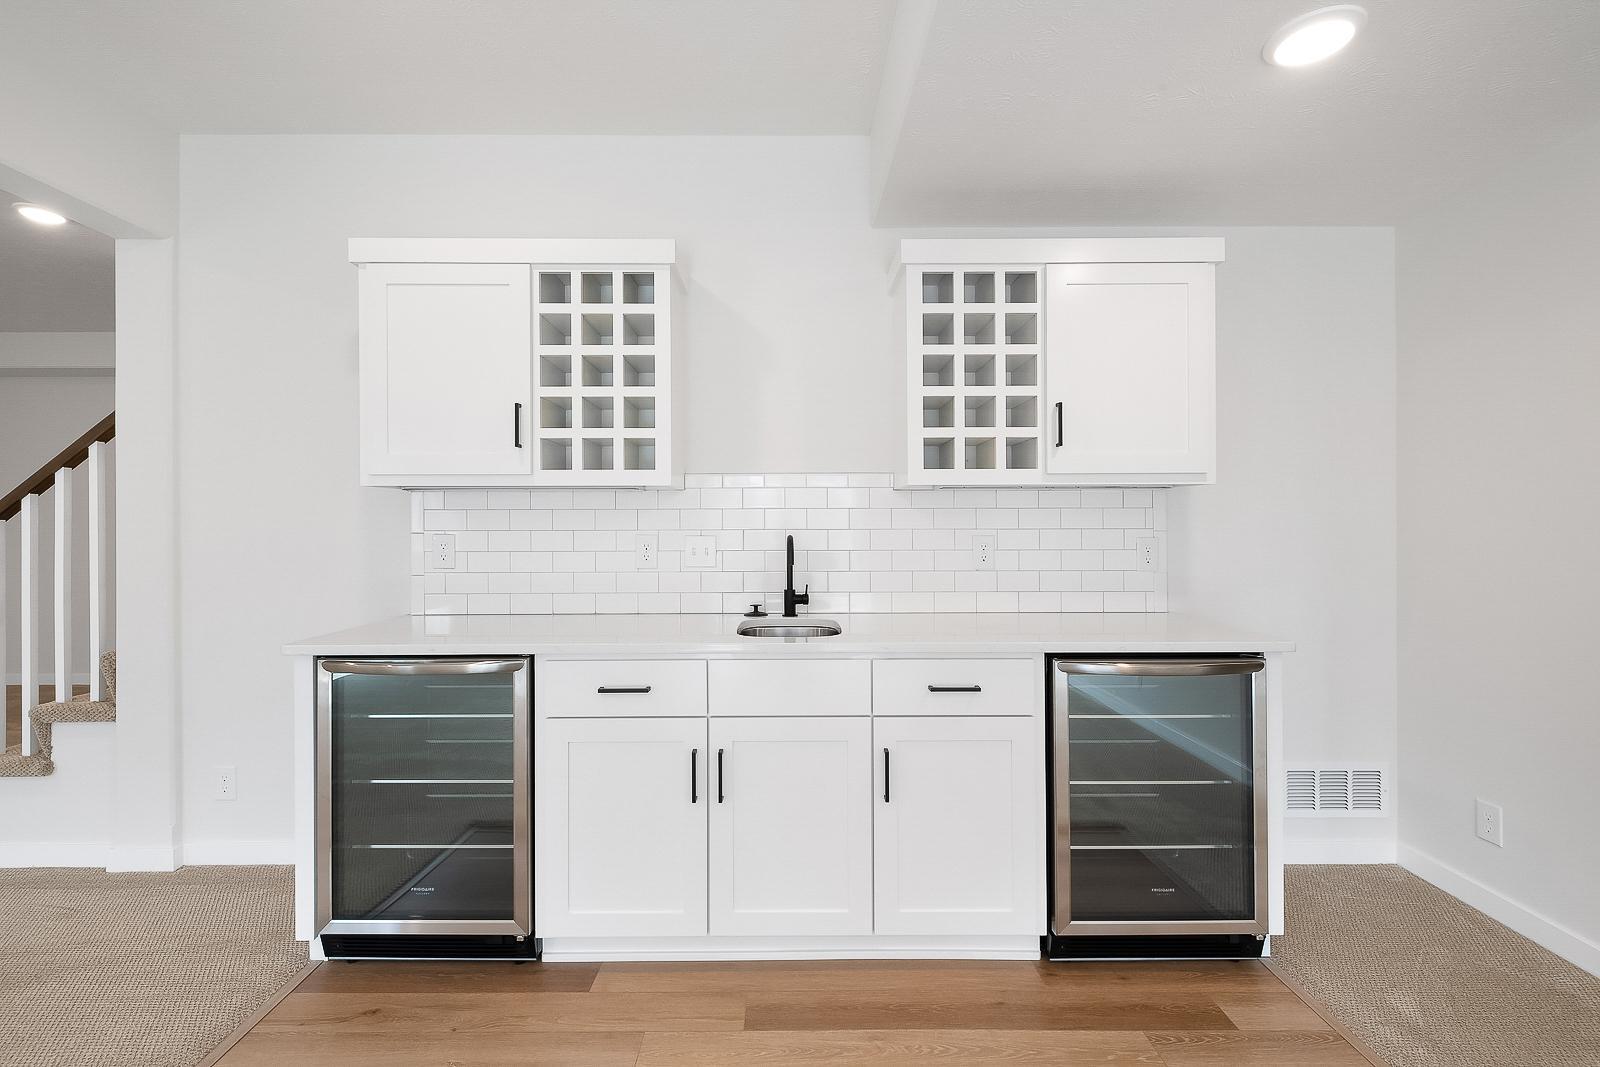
x=790, y=628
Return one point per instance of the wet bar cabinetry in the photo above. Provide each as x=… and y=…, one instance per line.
x=514, y=363
x=1059, y=361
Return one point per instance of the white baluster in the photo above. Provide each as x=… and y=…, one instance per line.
x=99, y=566
x=28, y=609
x=63, y=588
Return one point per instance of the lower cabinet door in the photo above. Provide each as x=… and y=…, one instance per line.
x=791, y=826
x=958, y=847
x=620, y=841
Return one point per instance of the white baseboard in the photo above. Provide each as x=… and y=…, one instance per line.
x=142, y=858
x=245, y=853
x=1339, y=850
x=1563, y=941
x=53, y=854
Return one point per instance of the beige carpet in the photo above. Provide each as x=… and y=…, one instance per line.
x=1427, y=981
x=107, y=970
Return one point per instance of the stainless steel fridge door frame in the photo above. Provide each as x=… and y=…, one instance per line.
x=521, y=922
x=1060, y=783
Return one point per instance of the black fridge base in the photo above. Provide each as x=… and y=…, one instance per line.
x=430, y=947
x=1153, y=947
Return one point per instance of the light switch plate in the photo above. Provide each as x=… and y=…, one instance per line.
x=700, y=551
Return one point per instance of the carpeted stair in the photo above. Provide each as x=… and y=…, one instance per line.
x=13, y=764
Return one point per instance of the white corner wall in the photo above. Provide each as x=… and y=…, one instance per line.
x=1297, y=537
x=791, y=361
x=1499, y=331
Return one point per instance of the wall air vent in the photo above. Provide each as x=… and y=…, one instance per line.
x=1341, y=791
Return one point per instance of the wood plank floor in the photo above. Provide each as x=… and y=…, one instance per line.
x=1187, y=1014
x=14, y=708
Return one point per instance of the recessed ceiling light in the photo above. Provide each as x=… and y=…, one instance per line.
x=1314, y=36
x=42, y=215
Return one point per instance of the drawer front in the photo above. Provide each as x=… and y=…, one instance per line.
x=955, y=687
x=616, y=689
x=791, y=687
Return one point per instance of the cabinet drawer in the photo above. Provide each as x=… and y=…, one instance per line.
x=612, y=689
x=954, y=687
x=791, y=687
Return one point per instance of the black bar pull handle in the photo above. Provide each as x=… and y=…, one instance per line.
x=719, y=776
x=886, y=776
x=1060, y=435
x=955, y=688
x=516, y=425
x=694, y=776
x=614, y=690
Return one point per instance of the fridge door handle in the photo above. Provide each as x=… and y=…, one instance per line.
x=1164, y=668
x=423, y=666
x=694, y=776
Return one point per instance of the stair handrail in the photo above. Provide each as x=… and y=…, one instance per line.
x=71, y=456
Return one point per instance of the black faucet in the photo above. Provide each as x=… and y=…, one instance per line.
x=790, y=597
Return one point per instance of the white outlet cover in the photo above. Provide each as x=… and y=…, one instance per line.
x=1491, y=823
x=644, y=552
x=227, y=782
x=983, y=553
x=441, y=552
x=1148, y=550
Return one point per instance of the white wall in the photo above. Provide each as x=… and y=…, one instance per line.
x=792, y=366
x=1297, y=536
x=63, y=352
x=39, y=416
x=1499, y=453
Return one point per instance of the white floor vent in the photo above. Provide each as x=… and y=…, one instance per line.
x=1336, y=791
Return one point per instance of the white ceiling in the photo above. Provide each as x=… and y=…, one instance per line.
x=1067, y=112
x=1162, y=111
x=53, y=278
x=472, y=66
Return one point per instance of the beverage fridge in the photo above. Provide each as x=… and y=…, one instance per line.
x=423, y=808
x=1158, y=820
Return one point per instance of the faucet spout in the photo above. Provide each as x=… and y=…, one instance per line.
x=791, y=598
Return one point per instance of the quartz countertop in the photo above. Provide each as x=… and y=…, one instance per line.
x=713, y=635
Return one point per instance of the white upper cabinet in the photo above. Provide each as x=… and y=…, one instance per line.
x=1131, y=368
x=1060, y=361
x=445, y=373
x=507, y=363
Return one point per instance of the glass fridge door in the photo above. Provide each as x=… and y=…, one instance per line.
x=1156, y=792
x=423, y=799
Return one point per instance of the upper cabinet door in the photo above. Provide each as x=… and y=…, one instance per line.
x=791, y=826
x=1131, y=373
x=446, y=371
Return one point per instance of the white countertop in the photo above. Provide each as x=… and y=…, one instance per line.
x=713, y=635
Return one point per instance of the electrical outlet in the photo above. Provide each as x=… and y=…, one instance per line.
x=983, y=553
x=699, y=551
x=227, y=783
x=644, y=552
x=441, y=552
x=1149, y=554
x=1491, y=823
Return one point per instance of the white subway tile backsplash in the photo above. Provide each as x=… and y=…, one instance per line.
x=860, y=544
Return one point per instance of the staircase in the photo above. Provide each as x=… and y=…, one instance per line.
x=29, y=718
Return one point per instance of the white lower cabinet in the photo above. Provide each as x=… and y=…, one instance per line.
x=957, y=845
x=620, y=848
x=791, y=826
